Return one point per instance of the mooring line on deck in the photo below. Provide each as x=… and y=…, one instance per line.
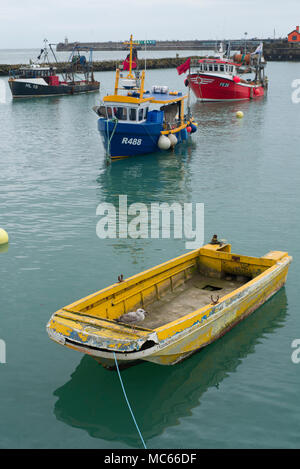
x=126, y=398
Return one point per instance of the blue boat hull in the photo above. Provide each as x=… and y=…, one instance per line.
x=125, y=139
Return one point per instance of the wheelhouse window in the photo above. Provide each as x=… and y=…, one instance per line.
x=210, y=68
x=222, y=68
x=132, y=114
x=109, y=112
x=216, y=68
x=120, y=113
x=141, y=113
x=146, y=109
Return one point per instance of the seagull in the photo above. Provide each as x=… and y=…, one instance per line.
x=133, y=316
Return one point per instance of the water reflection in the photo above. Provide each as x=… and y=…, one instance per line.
x=160, y=178
x=211, y=116
x=92, y=399
x=4, y=248
x=155, y=177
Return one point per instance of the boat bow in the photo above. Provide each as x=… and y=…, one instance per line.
x=75, y=330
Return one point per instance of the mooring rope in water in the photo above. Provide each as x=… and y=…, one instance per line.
x=132, y=414
x=109, y=138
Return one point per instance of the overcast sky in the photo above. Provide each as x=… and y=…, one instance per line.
x=25, y=23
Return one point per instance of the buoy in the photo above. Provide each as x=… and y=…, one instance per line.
x=163, y=143
x=256, y=91
x=239, y=114
x=173, y=139
x=189, y=129
x=236, y=79
x=3, y=237
x=193, y=127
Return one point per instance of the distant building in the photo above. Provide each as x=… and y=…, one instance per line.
x=66, y=41
x=294, y=36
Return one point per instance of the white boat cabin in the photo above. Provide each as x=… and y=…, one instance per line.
x=125, y=113
x=34, y=71
x=215, y=67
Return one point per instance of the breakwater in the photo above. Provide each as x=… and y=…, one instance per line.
x=275, y=51
x=236, y=44
x=282, y=51
x=107, y=65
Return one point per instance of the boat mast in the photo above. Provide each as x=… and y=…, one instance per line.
x=131, y=44
x=50, y=46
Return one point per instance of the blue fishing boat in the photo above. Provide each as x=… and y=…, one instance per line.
x=133, y=121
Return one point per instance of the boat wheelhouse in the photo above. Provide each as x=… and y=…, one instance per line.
x=134, y=121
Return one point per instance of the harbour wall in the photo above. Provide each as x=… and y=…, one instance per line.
x=236, y=44
x=276, y=51
x=108, y=65
x=282, y=51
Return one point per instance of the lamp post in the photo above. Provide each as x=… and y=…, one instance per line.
x=245, y=42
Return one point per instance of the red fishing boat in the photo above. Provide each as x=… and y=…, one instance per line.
x=219, y=79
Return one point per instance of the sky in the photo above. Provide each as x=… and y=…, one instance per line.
x=26, y=23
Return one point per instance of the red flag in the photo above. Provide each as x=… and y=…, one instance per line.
x=184, y=67
x=126, y=63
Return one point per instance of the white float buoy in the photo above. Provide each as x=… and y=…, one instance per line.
x=173, y=139
x=239, y=114
x=163, y=143
x=3, y=237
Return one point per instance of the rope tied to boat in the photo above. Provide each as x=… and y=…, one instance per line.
x=127, y=401
x=109, y=138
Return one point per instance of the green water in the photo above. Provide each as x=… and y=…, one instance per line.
x=241, y=391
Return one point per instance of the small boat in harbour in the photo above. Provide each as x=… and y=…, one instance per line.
x=39, y=79
x=187, y=303
x=133, y=121
x=221, y=78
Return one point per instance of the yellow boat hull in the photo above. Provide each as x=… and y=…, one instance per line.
x=175, y=329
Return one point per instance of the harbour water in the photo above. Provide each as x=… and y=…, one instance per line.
x=243, y=390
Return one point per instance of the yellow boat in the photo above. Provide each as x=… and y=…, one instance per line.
x=191, y=301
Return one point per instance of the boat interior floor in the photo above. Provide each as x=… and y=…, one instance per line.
x=195, y=293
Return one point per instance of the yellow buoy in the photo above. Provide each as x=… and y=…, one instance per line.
x=3, y=237
x=239, y=114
